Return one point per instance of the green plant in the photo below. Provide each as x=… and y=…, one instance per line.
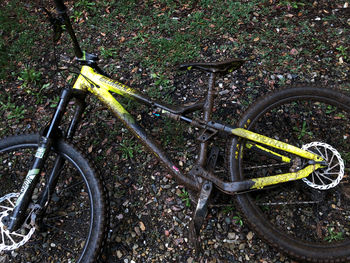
x=184, y=195
x=29, y=75
x=342, y=52
x=77, y=14
x=333, y=235
x=228, y=209
x=108, y=52
x=85, y=4
x=129, y=147
x=54, y=102
x=330, y=109
x=162, y=87
x=303, y=131
x=293, y=4
x=12, y=110
x=238, y=219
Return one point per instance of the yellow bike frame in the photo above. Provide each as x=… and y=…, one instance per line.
x=102, y=87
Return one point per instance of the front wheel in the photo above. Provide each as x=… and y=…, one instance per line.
x=308, y=219
x=72, y=228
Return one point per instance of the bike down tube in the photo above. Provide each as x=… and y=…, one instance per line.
x=101, y=87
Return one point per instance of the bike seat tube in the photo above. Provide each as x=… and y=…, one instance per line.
x=207, y=114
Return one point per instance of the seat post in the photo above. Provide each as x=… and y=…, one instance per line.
x=207, y=114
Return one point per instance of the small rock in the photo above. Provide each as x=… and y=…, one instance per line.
x=142, y=226
x=250, y=235
x=224, y=92
x=166, y=233
x=231, y=235
x=137, y=230
x=119, y=254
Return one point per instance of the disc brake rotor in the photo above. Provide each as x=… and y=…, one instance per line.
x=12, y=240
x=330, y=176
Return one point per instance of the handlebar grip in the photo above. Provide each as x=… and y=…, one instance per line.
x=61, y=8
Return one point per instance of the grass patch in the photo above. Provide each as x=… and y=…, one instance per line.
x=17, y=42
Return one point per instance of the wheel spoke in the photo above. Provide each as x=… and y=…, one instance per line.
x=13, y=205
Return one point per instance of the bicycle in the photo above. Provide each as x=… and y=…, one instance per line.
x=291, y=184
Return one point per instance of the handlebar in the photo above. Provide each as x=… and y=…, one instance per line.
x=62, y=11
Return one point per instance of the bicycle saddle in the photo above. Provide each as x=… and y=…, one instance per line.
x=223, y=67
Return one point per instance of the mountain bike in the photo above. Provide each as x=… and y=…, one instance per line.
x=287, y=169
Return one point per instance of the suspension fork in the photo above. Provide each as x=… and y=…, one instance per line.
x=59, y=161
x=47, y=138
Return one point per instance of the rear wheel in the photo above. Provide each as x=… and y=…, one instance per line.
x=73, y=226
x=308, y=219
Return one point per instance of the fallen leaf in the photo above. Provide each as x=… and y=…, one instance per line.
x=108, y=152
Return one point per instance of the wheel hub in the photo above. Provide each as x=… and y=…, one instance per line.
x=331, y=175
